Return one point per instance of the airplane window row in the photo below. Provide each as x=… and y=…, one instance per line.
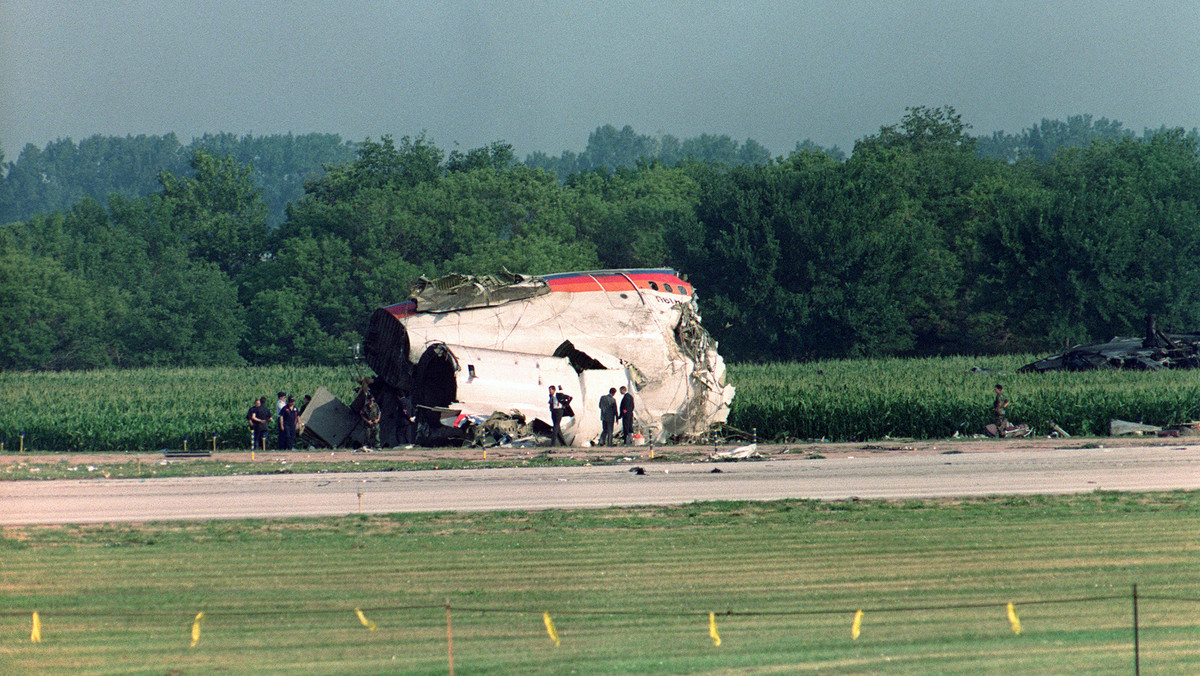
x=667, y=287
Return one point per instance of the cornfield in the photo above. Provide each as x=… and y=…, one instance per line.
x=936, y=398
x=148, y=409
x=151, y=409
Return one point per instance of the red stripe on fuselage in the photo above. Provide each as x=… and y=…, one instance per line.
x=618, y=282
x=402, y=310
x=608, y=282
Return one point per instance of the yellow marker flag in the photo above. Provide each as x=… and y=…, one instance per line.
x=712, y=629
x=1013, y=619
x=856, y=626
x=196, y=629
x=35, y=636
x=365, y=622
x=550, y=628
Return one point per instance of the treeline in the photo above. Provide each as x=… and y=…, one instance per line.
x=917, y=244
x=55, y=178
x=609, y=148
x=59, y=176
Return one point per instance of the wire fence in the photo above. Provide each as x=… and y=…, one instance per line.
x=41, y=624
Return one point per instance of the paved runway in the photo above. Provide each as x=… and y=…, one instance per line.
x=892, y=475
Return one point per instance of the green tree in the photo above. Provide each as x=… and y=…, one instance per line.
x=219, y=212
x=609, y=149
x=1042, y=141
x=379, y=165
x=918, y=176
x=55, y=178
x=1088, y=245
x=633, y=215
x=310, y=303
x=183, y=313
x=280, y=164
x=721, y=149
x=52, y=319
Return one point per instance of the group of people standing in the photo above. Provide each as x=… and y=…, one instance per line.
x=286, y=417
x=610, y=410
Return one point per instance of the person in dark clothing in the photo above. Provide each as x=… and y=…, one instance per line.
x=560, y=405
x=370, y=415
x=259, y=418
x=626, y=414
x=289, y=419
x=608, y=416
x=407, y=431
x=250, y=421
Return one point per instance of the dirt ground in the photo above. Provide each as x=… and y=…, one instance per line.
x=640, y=453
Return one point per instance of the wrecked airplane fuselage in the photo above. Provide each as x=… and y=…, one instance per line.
x=483, y=344
x=1153, y=352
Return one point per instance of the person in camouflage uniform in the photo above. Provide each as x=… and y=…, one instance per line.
x=370, y=415
x=999, y=414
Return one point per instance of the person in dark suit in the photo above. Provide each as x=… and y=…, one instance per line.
x=560, y=404
x=608, y=416
x=626, y=413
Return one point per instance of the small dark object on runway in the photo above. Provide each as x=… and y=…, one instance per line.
x=637, y=470
x=186, y=454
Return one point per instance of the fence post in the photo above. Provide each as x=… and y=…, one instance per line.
x=449, y=638
x=1137, y=662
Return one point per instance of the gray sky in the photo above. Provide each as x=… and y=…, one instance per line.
x=543, y=75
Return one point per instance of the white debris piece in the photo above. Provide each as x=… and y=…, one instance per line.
x=1120, y=428
x=740, y=453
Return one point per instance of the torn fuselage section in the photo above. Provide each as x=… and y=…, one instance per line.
x=496, y=344
x=1155, y=351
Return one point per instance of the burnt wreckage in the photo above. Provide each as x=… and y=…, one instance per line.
x=1152, y=352
x=467, y=347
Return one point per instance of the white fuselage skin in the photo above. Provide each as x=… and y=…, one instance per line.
x=505, y=363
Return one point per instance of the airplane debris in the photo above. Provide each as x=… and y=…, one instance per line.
x=740, y=453
x=1010, y=432
x=1120, y=428
x=1152, y=352
x=482, y=344
x=327, y=421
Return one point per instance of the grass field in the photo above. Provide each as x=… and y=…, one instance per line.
x=629, y=591
x=151, y=409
